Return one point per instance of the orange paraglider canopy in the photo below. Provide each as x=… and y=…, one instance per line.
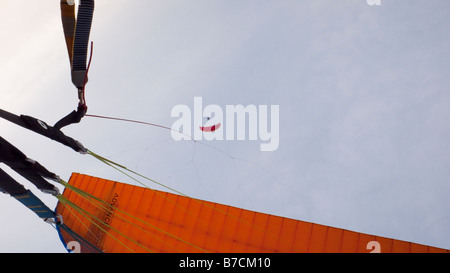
x=117, y=217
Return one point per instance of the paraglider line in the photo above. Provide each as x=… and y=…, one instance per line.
x=139, y=122
x=99, y=203
x=125, y=169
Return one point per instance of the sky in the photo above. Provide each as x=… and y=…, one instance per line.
x=362, y=92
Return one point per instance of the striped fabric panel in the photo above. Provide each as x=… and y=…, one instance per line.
x=82, y=32
x=157, y=221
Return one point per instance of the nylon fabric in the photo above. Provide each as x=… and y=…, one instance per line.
x=206, y=226
x=76, y=33
x=32, y=202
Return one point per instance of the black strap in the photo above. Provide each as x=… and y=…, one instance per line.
x=77, y=34
x=9, y=185
x=40, y=127
x=20, y=163
x=73, y=117
x=81, y=42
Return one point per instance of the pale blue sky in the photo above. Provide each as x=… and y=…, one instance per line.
x=363, y=95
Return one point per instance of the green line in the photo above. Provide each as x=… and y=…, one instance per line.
x=106, y=207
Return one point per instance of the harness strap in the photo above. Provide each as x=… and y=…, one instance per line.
x=68, y=21
x=35, y=204
x=81, y=41
x=76, y=32
x=26, y=167
x=10, y=186
x=44, y=129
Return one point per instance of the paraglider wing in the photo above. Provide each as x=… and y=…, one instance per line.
x=210, y=128
x=118, y=217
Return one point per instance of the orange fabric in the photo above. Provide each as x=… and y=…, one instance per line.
x=69, y=21
x=182, y=224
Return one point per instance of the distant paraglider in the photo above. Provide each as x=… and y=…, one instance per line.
x=210, y=128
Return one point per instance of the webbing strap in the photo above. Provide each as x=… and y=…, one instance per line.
x=68, y=21
x=76, y=32
x=81, y=41
x=42, y=128
x=35, y=204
